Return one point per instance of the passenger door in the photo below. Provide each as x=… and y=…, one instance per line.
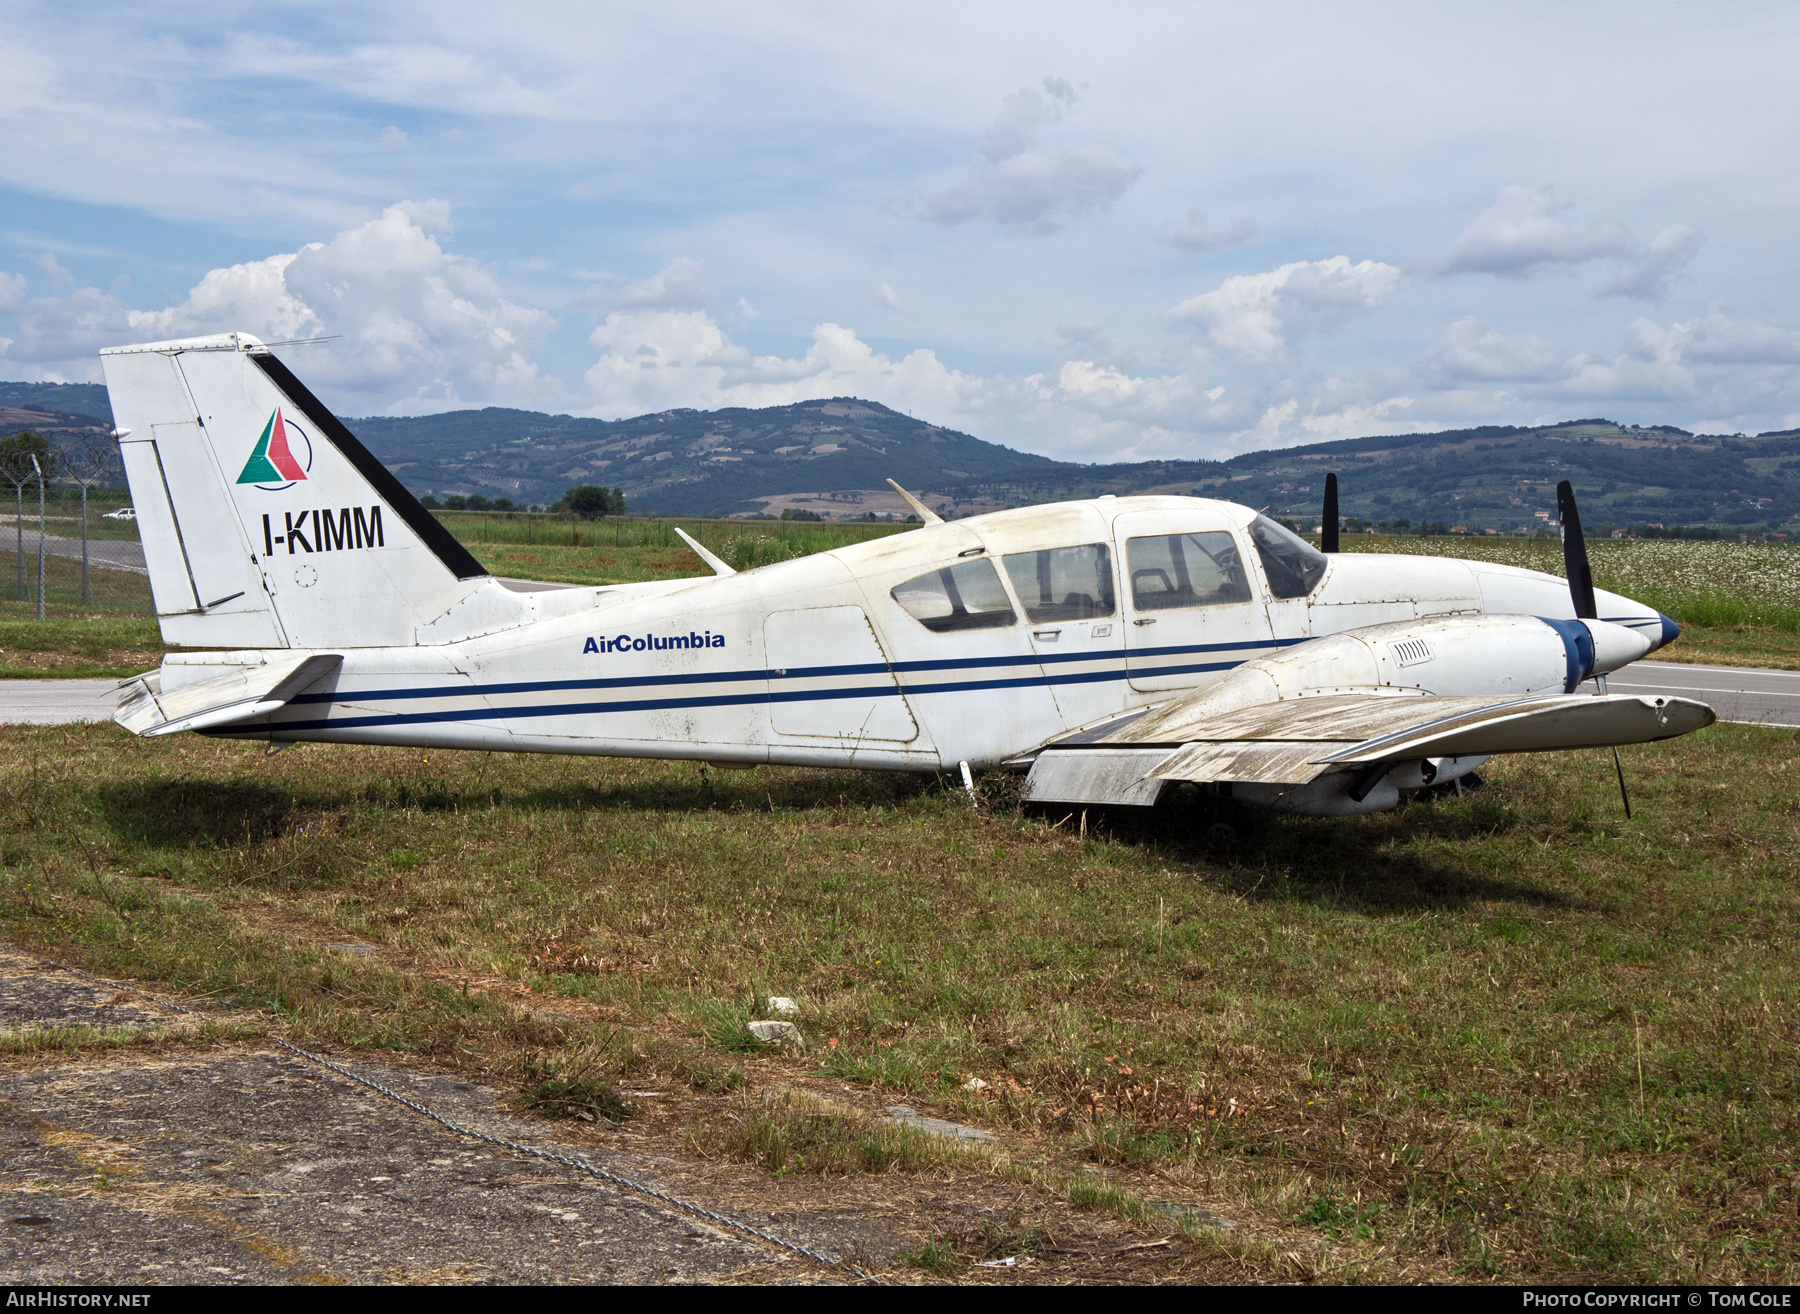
x=1072, y=614
x=1192, y=610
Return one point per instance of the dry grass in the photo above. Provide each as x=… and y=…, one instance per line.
x=1511, y=1035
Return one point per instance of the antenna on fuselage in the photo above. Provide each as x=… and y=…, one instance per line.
x=925, y=513
x=718, y=567
x=1328, y=523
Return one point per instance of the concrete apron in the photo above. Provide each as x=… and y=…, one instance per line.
x=240, y=1163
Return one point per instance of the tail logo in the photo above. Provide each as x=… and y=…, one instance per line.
x=272, y=466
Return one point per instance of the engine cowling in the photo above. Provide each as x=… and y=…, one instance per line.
x=1505, y=656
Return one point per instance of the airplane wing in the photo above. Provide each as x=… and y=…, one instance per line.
x=246, y=691
x=1295, y=741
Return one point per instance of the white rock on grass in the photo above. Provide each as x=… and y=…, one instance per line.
x=782, y=1005
x=974, y=1084
x=778, y=1033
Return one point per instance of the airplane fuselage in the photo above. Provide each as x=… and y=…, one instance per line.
x=872, y=656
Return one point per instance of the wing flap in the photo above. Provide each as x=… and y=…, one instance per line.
x=246, y=692
x=1096, y=775
x=1252, y=762
x=1348, y=718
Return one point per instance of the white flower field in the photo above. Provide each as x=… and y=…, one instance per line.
x=1698, y=583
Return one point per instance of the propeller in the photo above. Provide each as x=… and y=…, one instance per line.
x=1575, y=556
x=1581, y=593
x=1328, y=523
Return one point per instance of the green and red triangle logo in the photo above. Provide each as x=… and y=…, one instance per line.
x=272, y=462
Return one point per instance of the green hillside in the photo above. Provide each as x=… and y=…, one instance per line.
x=824, y=453
x=833, y=457
x=1497, y=477
x=60, y=399
x=683, y=462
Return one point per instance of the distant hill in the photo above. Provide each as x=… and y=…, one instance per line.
x=685, y=462
x=58, y=410
x=1496, y=477
x=833, y=456
x=61, y=399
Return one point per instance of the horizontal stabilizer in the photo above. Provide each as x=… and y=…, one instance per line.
x=245, y=692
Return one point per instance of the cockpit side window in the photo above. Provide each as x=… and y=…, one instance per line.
x=1293, y=565
x=1186, y=570
x=966, y=596
x=1063, y=584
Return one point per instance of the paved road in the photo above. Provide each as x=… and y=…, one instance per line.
x=206, y=1163
x=108, y=555
x=57, y=702
x=1737, y=693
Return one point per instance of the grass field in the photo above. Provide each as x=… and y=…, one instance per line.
x=1739, y=604
x=1508, y=1036
x=114, y=635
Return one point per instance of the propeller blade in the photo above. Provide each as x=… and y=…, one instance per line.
x=1575, y=556
x=1328, y=523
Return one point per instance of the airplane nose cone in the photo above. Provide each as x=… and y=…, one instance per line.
x=1670, y=632
x=1616, y=645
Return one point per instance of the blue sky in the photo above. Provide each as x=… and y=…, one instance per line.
x=1094, y=231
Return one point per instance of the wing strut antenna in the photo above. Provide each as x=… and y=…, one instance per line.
x=1328, y=523
x=925, y=513
x=718, y=567
x=1581, y=593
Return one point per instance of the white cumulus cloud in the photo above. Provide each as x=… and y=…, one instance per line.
x=1024, y=182
x=12, y=292
x=416, y=327
x=1472, y=350
x=1524, y=233
x=1255, y=318
x=1644, y=275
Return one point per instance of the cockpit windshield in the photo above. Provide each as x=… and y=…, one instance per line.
x=1293, y=565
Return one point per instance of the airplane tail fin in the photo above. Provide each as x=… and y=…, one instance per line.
x=265, y=523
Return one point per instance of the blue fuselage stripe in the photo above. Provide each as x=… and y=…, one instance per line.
x=1116, y=671
x=1131, y=655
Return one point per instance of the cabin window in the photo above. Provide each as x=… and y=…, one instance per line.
x=1293, y=565
x=1186, y=570
x=1063, y=584
x=966, y=596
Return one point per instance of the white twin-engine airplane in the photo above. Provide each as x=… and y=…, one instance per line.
x=1111, y=647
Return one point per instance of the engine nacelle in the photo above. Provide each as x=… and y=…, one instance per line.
x=1480, y=655
x=1516, y=656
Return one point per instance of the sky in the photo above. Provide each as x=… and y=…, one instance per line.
x=1099, y=232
